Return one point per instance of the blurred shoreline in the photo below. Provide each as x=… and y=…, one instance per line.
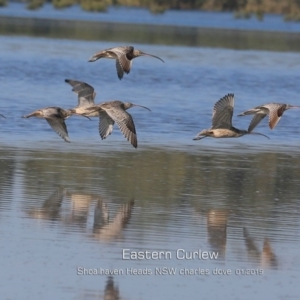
x=151, y=34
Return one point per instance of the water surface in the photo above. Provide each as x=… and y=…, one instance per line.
x=62, y=213
x=68, y=207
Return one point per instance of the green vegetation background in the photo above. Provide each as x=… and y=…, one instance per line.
x=290, y=9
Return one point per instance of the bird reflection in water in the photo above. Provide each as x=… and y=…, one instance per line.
x=76, y=212
x=107, y=229
x=111, y=291
x=51, y=208
x=80, y=207
x=266, y=258
x=217, y=231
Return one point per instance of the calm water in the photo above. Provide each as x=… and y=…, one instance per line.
x=69, y=207
x=61, y=211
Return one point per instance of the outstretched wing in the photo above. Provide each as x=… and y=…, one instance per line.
x=59, y=126
x=125, y=123
x=123, y=64
x=85, y=92
x=255, y=120
x=276, y=111
x=106, y=124
x=222, y=112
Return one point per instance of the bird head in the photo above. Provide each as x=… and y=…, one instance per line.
x=204, y=133
x=37, y=113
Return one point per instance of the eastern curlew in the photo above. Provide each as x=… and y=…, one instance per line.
x=55, y=116
x=86, y=96
x=222, y=121
x=115, y=111
x=123, y=56
x=274, y=110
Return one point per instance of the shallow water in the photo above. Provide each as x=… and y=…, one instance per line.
x=63, y=214
x=72, y=208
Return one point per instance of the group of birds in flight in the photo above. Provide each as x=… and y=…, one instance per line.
x=112, y=112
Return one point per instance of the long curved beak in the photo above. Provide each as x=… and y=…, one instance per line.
x=259, y=134
x=2, y=116
x=141, y=106
x=82, y=116
x=77, y=114
x=146, y=54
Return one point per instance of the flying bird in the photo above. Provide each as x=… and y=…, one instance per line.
x=222, y=121
x=123, y=56
x=115, y=112
x=86, y=97
x=274, y=110
x=55, y=116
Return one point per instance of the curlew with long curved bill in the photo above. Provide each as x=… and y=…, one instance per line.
x=86, y=97
x=115, y=112
x=274, y=110
x=123, y=56
x=222, y=121
x=55, y=116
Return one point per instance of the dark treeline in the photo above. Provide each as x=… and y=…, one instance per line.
x=242, y=8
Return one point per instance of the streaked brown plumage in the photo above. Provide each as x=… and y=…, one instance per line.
x=123, y=56
x=55, y=116
x=274, y=110
x=115, y=111
x=222, y=121
x=86, y=96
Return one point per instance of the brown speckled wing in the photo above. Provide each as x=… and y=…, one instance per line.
x=59, y=126
x=255, y=120
x=123, y=64
x=106, y=125
x=125, y=123
x=85, y=92
x=222, y=112
x=275, y=112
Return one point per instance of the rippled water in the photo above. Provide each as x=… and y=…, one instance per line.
x=68, y=208
x=63, y=213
